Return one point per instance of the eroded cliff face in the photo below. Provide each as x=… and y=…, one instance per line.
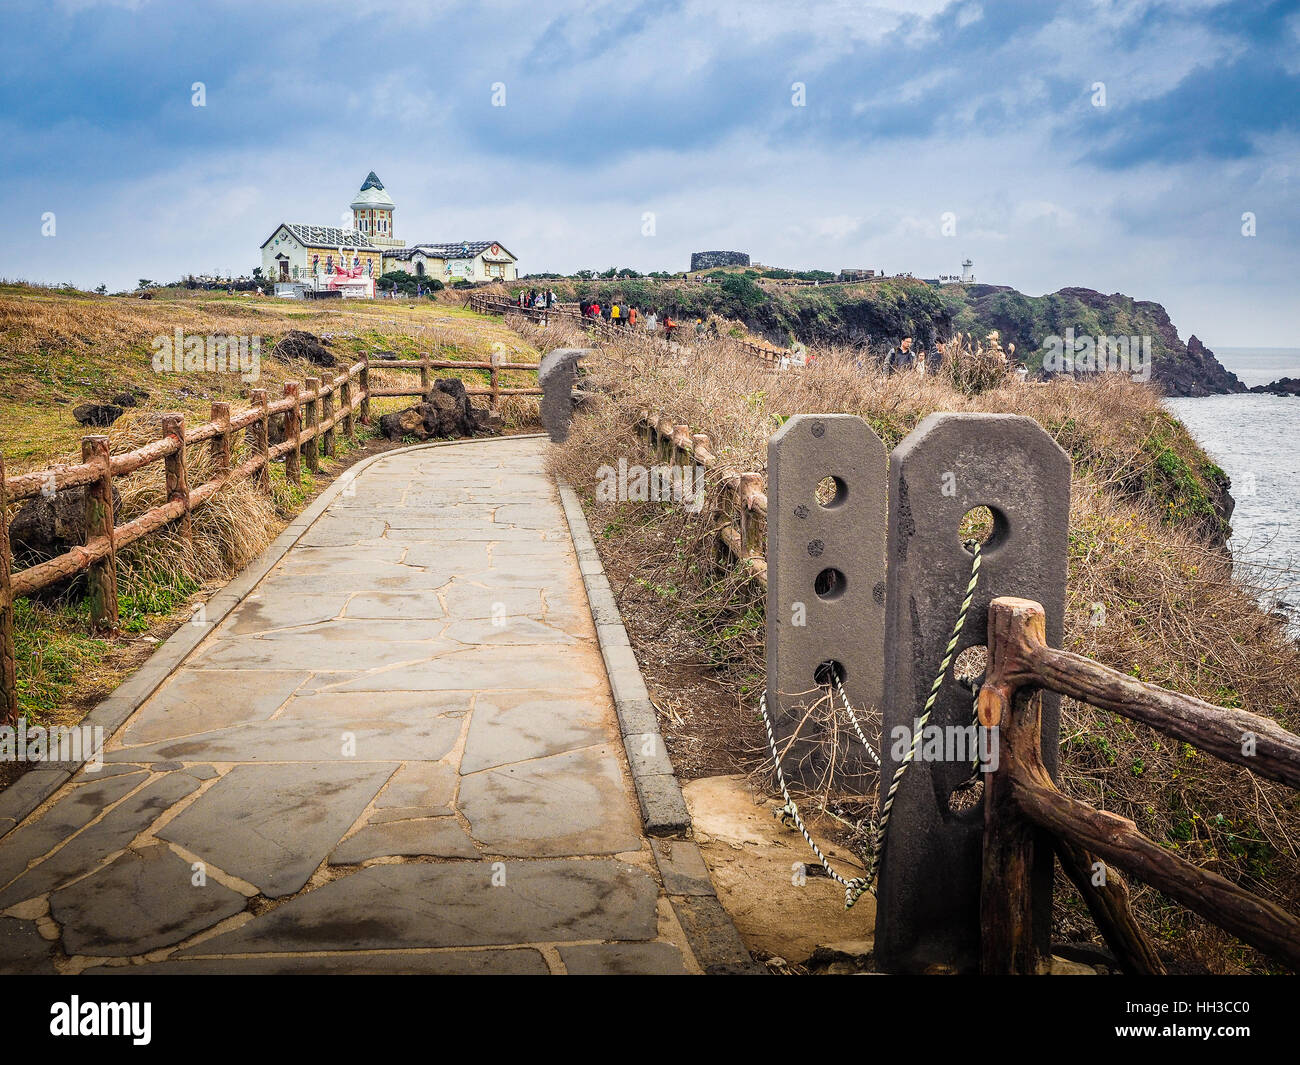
x=884, y=313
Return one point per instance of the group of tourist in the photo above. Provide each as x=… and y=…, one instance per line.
x=538, y=299
x=628, y=316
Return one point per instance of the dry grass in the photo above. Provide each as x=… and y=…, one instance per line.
x=1145, y=542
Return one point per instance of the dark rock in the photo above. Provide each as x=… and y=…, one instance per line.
x=1283, y=386
x=445, y=411
x=387, y=356
x=44, y=528
x=99, y=414
x=127, y=399
x=297, y=344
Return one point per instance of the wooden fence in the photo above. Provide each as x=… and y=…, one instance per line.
x=311, y=418
x=1022, y=803
x=742, y=525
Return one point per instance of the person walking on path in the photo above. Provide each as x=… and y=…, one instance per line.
x=631, y=318
x=669, y=326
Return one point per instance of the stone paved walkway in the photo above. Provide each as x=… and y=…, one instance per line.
x=399, y=754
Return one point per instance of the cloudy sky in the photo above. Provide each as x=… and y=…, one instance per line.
x=1114, y=145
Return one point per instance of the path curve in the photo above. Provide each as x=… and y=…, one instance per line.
x=398, y=753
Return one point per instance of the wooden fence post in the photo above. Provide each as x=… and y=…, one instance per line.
x=345, y=399
x=178, y=485
x=751, y=527
x=102, y=576
x=8, y=659
x=311, y=448
x=327, y=415
x=424, y=373
x=495, y=376
x=221, y=442
x=260, y=438
x=365, y=389
x=293, y=432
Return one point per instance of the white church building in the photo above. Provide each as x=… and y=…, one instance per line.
x=299, y=257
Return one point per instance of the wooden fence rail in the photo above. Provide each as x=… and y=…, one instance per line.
x=311, y=416
x=742, y=525
x=1022, y=803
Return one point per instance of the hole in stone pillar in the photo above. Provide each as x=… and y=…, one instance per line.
x=830, y=583
x=984, y=524
x=972, y=663
x=831, y=492
x=967, y=796
x=829, y=672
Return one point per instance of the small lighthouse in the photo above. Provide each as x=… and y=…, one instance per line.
x=372, y=213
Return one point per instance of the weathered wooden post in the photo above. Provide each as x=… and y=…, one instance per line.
x=681, y=445
x=102, y=575
x=311, y=447
x=221, y=441
x=365, y=388
x=424, y=374
x=259, y=435
x=494, y=375
x=327, y=415
x=345, y=400
x=947, y=467
x=178, y=485
x=826, y=586
x=293, y=433
x=748, y=489
x=8, y=656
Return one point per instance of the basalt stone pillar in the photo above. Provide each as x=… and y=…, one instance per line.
x=826, y=586
x=927, y=913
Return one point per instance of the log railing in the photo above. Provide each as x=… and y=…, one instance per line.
x=312, y=416
x=425, y=364
x=1023, y=808
x=742, y=522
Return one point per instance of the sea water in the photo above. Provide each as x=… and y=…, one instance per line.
x=1256, y=439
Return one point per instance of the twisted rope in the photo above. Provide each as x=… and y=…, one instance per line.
x=855, y=887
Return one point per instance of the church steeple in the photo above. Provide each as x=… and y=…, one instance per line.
x=372, y=213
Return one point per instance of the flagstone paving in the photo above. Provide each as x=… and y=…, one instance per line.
x=398, y=754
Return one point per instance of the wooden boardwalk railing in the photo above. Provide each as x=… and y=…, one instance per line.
x=1022, y=803
x=311, y=417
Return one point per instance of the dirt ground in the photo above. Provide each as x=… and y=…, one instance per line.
x=755, y=862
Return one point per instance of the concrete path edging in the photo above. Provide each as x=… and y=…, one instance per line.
x=709, y=929
x=29, y=791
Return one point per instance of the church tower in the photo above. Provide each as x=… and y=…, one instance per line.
x=372, y=214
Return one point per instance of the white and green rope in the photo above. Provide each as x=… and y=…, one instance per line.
x=856, y=886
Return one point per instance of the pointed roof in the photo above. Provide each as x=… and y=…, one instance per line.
x=372, y=194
